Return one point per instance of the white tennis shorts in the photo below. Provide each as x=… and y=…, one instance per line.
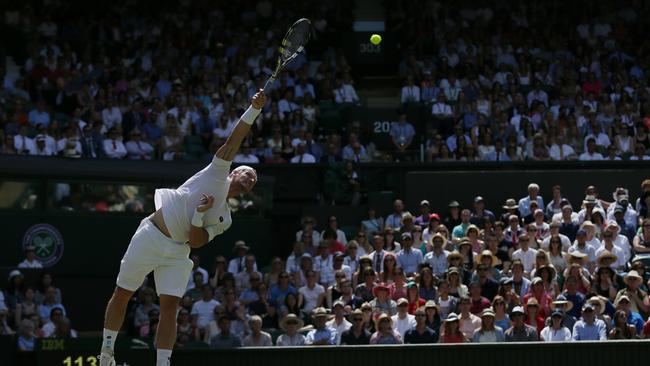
x=150, y=250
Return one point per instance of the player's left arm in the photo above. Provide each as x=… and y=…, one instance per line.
x=228, y=150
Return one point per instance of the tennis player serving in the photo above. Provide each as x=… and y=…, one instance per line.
x=187, y=217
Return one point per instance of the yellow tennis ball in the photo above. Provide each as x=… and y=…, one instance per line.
x=375, y=39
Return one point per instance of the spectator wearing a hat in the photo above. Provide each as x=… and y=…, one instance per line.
x=403, y=321
x=533, y=195
x=589, y=328
x=437, y=257
x=30, y=259
x=520, y=331
x=321, y=334
x=425, y=214
x=413, y=297
x=460, y=230
x=451, y=332
x=421, y=333
x=525, y=254
x=238, y=264
x=290, y=324
x=257, y=337
x=357, y=334
x=430, y=230
x=620, y=241
x=610, y=253
x=456, y=287
x=338, y=323
x=638, y=298
x=580, y=245
x=555, y=331
x=534, y=316
x=480, y=213
x=408, y=258
x=621, y=209
x=382, y=301
x=137, y=148
x=632, y=318
x=468, y=321
x=312, y=295
x=488, y=332
x=394, y=220
x=452, y=219
x=385, y=333
x=589, y=204
x=562, y=305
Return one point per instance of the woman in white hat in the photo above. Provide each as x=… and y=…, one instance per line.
x=488, y=332
x=451, y=331
x=290, y=324
x=385, y=333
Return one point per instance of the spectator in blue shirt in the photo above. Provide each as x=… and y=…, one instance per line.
x=394, y=220
x=26, y=335
x=524, y=203
x=321, y=334
x=633, y=318
x=408, y=258
x=49, y=303
x=281, y=290
x=571, y=294
x=39, y=115
x=589, y=328
x=225, y=339
x=402, y=133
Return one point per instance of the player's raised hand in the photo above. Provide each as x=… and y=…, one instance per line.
x=259, y=99
x=206, y=203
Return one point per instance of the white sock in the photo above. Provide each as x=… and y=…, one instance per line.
x=163, y=357
x=108, y=342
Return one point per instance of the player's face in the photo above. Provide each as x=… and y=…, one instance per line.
x=244, y=179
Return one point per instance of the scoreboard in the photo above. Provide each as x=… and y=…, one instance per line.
x=84, y=351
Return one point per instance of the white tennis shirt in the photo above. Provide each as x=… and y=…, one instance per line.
x=178, y=205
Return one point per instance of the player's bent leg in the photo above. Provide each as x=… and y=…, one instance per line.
x=116, y=308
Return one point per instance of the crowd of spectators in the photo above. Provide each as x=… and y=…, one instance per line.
x=31, y=307
x=140, y=80
x=558, y=269
x=525, y=81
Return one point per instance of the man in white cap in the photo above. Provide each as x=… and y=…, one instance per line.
x=339, y=323
x=187, y=217
x=403, y=321
x=533, y=195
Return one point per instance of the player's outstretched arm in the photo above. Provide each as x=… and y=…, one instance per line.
x=228, y=150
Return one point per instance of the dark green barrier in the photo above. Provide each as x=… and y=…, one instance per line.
x=134, y=353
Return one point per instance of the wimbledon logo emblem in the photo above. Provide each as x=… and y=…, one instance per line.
x=48, y=243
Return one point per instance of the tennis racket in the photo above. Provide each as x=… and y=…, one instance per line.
x=292, y=44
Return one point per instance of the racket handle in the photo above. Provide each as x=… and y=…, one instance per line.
x=268, y=84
